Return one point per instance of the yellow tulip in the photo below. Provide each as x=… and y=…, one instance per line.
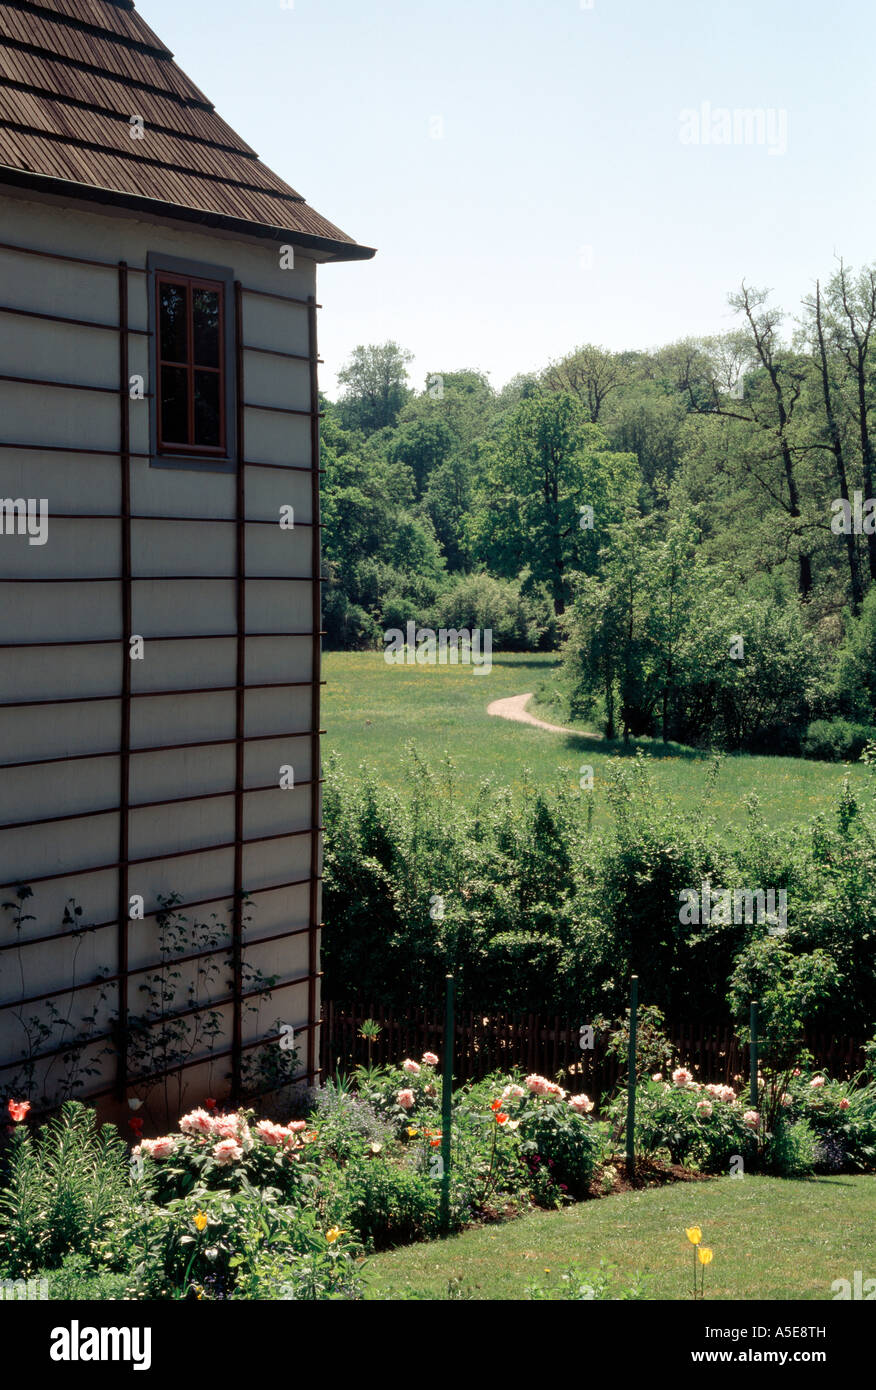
x=694, y=1234
x=704, y=1255
x=334, y=1234
x=200, y=1220
x=412, y=1131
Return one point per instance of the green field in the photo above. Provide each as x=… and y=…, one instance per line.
x=371, y=710
x=772, y=1239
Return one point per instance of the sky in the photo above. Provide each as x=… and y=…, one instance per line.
x=536, y=174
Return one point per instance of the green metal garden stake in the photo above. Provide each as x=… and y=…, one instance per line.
x=752, y=1055
x=446, y=1099
x=631, y=1081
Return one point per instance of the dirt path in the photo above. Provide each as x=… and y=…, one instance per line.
x=514, y=707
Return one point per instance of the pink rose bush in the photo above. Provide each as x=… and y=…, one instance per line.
x=227, y=1148
x=541, y=1086
x=581, y=1104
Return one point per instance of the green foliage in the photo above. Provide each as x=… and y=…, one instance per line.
x=564, y=1142
x=541, y=914
x=577, y=1284
x=836, y=740
x=64, y=1191
x=695, y=1126
x=390, y=1205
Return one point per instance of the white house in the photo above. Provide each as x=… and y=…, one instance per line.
x=159, y=576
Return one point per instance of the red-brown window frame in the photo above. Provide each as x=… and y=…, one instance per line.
x=168, y=447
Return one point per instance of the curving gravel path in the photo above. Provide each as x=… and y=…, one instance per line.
x=514, y=707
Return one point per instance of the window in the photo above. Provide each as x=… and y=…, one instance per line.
x=191, y=360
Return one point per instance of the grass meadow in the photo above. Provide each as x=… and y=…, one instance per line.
x=372, y=710
x=772, y=1239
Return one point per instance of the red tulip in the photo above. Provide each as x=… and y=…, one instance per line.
x=18, y=1109
x=136, y=1124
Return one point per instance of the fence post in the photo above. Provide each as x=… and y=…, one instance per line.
x=631, y=1081
x=446, y=1099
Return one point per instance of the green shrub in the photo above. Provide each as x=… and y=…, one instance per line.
x=695, y=1126
x=65, y=1190
x=390, y=1205
x=836, y=740
x=791, y=1149
x=566, y=1143
x=78, y=1281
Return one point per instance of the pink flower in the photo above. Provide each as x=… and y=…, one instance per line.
x=844, y=1103
x=817, y=1081
x=430, y=1059
x=581, y=1104
x=226, y=1126
x=540, y=1086
x=294, y=1125
x=796, y=1071
x=751, y=1118
x=196, y=1122
x=157, y=1148
x=228, y=1151
x=714, y=1090
x=681, y=1076
x=405, y=1099
x=728, y=1094
x=513, y=1092
x=273, y=1134
x=704, y=1108
x=658, y=1076
x=693, y=1086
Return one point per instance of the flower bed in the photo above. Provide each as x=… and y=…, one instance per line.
x=233, y=1205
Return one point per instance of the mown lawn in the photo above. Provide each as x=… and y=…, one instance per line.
x=772, y=1239
x=371, y=710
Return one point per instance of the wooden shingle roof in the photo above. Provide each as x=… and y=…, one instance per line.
x=74, y=74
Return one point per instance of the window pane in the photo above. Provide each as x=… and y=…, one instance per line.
x=174, y=405
x=205, y=326
x=207, y=416
x=173, y=304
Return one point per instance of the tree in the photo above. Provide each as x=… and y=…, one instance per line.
x=767, y=405
x=591, y=373
x=852, y=302
x=835, y=438
x=375, y=378
x=550, y=488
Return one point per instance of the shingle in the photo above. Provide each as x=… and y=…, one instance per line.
x=74, y=72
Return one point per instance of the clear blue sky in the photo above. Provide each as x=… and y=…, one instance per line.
x=561, y=131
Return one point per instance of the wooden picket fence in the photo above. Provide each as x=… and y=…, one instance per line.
x=547, y=1045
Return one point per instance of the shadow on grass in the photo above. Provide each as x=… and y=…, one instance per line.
x=654, y=747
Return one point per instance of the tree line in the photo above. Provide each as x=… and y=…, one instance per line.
x=694, y=527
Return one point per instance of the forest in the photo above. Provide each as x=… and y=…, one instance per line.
x=693, y=528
